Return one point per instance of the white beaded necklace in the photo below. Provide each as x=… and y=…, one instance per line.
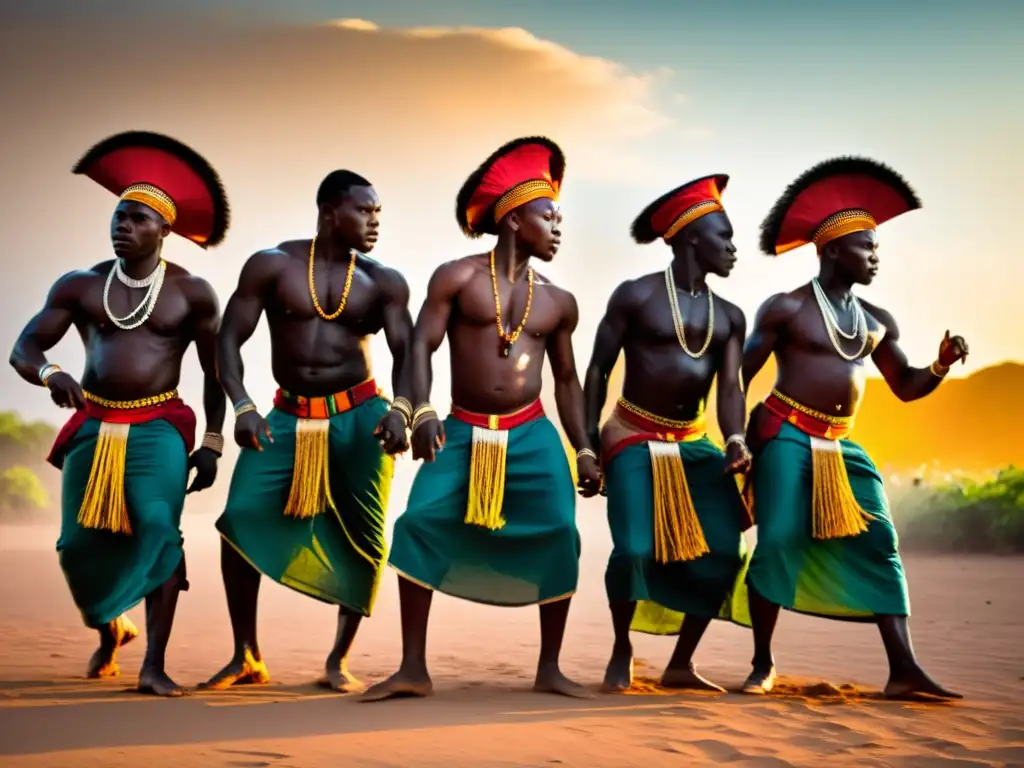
x=131, y=282
x=831, y=320
x=677, y=317
x=154, y=282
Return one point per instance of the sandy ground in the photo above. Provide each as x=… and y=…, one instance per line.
x=968, y=622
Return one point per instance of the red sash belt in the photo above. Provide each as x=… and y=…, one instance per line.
x=680, y=432
x=500, y=422
x=173, y=411
x=807, y=420
x=329, y=405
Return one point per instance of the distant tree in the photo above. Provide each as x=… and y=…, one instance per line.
x=21, y=494
x=23, y=442
x=26, y=482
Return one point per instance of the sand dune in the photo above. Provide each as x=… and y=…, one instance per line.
x=969, y=615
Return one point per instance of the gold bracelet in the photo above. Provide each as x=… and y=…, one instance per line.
x=214, y=442
x=423, y=413
x=47, y=371
x=244, y=406
x=586, y=452
x=404, y=407
x=938, y=369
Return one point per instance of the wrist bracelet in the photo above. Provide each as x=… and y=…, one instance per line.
x=243, y=406
x=736, y=438
x=404, y=407
x=214, y=442
x=586, y=452
x=938, y=369
x=423, y=413
x=47, y=371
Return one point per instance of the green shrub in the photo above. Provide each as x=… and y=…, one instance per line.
x=968, y=516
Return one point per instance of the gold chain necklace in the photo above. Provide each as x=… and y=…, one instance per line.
x=511, y=338
x=344, y=294
x=677, y=317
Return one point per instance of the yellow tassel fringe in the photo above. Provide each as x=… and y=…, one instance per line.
x=835, y=512
x=310, y=493
x=677, y=531
x=487, y=478
x=104, y=505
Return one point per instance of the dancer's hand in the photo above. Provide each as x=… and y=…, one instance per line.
x=428, y=439
x=588, y=475
x=737, y=458
x=951, y=349
x=249, y=428
x=391, y=433
x=65, y=391
x=204, y=462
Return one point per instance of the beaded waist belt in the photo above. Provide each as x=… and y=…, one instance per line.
x=808, y=420
x=670, y=430
x=329, y=405
x=131, y=405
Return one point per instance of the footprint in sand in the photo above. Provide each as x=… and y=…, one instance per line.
x=270, y=756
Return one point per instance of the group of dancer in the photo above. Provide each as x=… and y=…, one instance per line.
x=491, y=514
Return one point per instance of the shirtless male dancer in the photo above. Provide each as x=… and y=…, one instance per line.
x=126, y=453
x=309, y=494
x=826, y=544
x=491, y=515
x=674, y=507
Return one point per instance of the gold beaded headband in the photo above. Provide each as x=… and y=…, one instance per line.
x=154, y=198
x=690, y=215
x=842, y=223
x=524, y=193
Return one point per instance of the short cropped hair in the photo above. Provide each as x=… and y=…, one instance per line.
x=336, y=185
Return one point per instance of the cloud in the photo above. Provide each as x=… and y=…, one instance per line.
x=357, y=25
x=275, y=107
x=409, y=91
x=510, y=76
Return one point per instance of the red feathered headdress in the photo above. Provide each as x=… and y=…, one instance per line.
x=165, y=175
x=670, y=213
x=519, y=172
x=833, y=199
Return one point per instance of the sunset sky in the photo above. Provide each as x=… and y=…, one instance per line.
x=642, y=96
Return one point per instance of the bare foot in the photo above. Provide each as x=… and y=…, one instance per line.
x=761, y=681
x=917, y=686
x=686, y=678
x=400, y=685
x=103, y=664
x=245, y=671
x=156, y=683
x=618, y=676
x=338, y=678
x=116, y=635
x=551, y=680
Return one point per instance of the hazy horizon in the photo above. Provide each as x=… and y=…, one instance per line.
x=640, y=100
